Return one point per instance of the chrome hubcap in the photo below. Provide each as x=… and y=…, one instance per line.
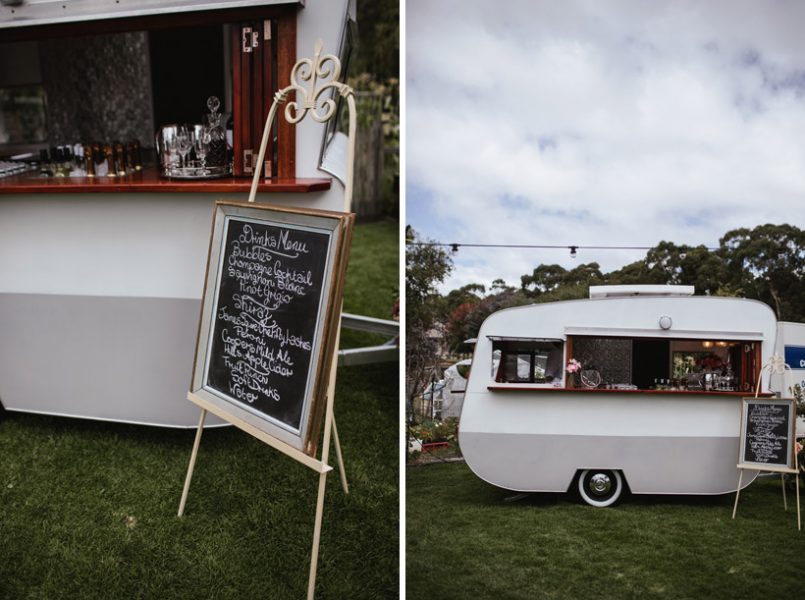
x=600, y=484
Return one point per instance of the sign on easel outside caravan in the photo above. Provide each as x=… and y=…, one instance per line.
x=270, y=309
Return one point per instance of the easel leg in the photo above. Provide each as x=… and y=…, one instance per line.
x=738, y=493
x=314, y=555
x=796, y=485
x=192, y=464
x=341, y=471
x=785, y=500
x=329, y=428
x=330, y=395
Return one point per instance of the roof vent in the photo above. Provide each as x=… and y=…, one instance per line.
x=623, y=291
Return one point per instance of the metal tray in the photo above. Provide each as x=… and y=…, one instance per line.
x=196, y=172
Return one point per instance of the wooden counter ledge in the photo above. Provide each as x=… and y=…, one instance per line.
x=545, y=389
x=149, y=181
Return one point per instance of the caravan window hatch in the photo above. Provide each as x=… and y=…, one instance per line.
x=527, y=360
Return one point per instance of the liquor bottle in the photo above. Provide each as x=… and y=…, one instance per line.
x=109, y=154
x=77, y=164
x=216, y=155
x=99, y=156
x=89, y=161
x=45, y=168
x=134, y=156
x=120, y=159
x=67, y=160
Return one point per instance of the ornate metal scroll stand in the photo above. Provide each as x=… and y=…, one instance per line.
x=314, y=81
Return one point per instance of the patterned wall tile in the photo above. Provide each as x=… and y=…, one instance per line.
x=98, y=88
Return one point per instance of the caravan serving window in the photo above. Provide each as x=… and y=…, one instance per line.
x=527, y=360
x=663, y=364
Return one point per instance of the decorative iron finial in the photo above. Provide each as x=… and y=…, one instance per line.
x=777, y=364
x=323, y=71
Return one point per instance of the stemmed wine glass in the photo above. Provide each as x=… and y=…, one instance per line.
x=184, y=143
x=201, y=143
x=171, y=152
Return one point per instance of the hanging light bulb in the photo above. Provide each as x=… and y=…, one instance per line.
x=454, y=248
x=573, y=251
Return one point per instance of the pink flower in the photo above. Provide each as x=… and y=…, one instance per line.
x=573, y=366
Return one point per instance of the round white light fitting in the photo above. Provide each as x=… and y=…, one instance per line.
x=666, y=322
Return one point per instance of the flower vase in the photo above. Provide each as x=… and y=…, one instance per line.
x=571, y=380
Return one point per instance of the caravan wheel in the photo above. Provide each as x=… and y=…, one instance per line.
x=600, y=488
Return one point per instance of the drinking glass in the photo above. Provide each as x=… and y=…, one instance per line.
x=201, y=143
x=172, y=153
x=184, y=143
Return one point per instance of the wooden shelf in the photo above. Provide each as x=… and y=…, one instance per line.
x=149, y=181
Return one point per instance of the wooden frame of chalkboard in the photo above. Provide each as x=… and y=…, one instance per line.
x=269, y=319
x=768, y=429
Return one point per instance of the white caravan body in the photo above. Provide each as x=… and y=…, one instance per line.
x=536, y=436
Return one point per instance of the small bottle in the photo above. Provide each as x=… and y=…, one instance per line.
x=98, y=155
x=67, y=160
x=45, y=169
x=77, y=164
x=120, y=159
x=89, y=161
x=134, y=156
x=109, y=154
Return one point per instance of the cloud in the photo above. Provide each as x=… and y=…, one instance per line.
x=618, y=123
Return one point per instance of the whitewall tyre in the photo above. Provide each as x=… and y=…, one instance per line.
x=600, y=488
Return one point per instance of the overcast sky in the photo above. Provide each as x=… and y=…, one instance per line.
x=600, y=122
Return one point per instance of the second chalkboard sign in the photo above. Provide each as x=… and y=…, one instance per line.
x=767, y=435
x=269, y=314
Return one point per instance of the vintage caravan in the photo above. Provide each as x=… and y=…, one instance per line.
x=101, y=276
x=655, y=404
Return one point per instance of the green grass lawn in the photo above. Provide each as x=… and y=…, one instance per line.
x=465, y=541
x=88, y=509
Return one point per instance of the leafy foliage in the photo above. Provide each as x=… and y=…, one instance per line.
x=436, y=431
x=378, y=38
x=768, y=263
x=550, y=278
x=426, y=266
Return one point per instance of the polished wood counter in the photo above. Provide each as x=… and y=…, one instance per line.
x=149, y=181
x=550, y=389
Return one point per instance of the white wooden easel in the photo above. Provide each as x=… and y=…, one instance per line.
x=776, y=365
x=314, y=100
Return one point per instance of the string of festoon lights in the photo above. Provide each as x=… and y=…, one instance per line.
x=574, y=248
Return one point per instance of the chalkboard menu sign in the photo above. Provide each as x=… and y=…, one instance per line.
x=269, y=315
x=767, y=434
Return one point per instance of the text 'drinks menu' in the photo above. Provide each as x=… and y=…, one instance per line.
x=767, y=437
x=269, y=296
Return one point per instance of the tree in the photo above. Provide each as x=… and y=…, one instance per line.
x=498, y=286
x=378, y=38
x=492, y=303
x=543, y=278
x=456, y=305
x=550, y=279
x=768, y=263
x=426, y=266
